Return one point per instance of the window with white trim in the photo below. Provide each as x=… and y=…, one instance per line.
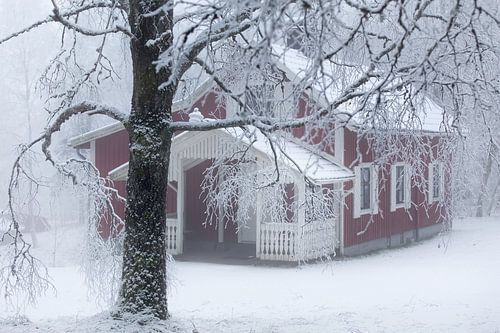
x=365, y=186
x=400, y=186
x=435, y=182
x=365, y=190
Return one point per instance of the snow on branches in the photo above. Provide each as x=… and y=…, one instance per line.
x=291, y=70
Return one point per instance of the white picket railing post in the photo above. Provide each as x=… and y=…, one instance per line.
x=174, y=241
x=258, y=218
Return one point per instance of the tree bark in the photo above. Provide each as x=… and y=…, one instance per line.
x=144, y=276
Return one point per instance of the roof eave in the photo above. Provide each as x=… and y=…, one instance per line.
x=117, y=126
x=95, y=134
x=332, y=180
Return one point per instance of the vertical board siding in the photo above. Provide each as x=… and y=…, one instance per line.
x=385, y=223
x=111, y=152
x=322, y=137
x=196, y=224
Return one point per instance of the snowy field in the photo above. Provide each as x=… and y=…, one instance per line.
x=446, y=284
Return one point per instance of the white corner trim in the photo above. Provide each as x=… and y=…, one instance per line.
x=339, y=144
x=92, y=152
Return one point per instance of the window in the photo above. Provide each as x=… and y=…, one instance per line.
x=435, y=182
x=365, y=190
x=400, y=186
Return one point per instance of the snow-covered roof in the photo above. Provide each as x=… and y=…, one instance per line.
x=332, y=79
x=296, y=65
x=297, y=156
x=432, y=116
x=292, y=155
x=95, y=134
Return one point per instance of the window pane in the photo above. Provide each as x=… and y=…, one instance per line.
x=400, y=184
x=436, y=180
x=365, y=188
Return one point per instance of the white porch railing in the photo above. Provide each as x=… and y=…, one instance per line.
x=294, y=242
x=278, y=241
x=173, y=237
x=317, y=240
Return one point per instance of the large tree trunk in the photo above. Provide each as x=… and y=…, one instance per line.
x=144, y=288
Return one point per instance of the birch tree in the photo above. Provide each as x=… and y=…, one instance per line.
x=371, y=64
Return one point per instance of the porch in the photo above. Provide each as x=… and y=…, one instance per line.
x=296, y=235
x=218, y=253
x=275, y=242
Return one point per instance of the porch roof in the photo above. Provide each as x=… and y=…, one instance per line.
x=291, y=154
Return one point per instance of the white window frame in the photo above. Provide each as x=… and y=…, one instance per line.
x=407, y=186
x=430, y=191
x=374, y=202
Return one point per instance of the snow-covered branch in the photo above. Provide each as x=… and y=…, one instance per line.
x=58, y=17
x=23, y=271
x=62, y=17
x=401, y=78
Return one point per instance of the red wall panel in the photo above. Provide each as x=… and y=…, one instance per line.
x=385, y=223
x=321, y=135
x=112, y=151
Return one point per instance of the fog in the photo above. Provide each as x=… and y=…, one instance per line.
x=24, y=95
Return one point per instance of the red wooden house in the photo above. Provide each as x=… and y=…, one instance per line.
x=381, y=207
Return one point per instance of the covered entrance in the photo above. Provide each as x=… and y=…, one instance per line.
x=210, y=238
x=280, y=227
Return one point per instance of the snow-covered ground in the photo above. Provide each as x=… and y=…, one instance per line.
x=448, y=284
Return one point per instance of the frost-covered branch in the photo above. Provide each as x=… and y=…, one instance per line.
x=296, y=71
x=21, y=271
x=59, y=16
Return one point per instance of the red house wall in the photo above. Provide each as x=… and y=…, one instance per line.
x=321, y=136
x=209, y=105
x=433, y=213
x=112, y=151
x=197, y=225
x=385, y=223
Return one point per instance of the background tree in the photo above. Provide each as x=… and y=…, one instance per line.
x=371, y=64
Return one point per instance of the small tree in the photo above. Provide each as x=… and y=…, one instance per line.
x=371, y=64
